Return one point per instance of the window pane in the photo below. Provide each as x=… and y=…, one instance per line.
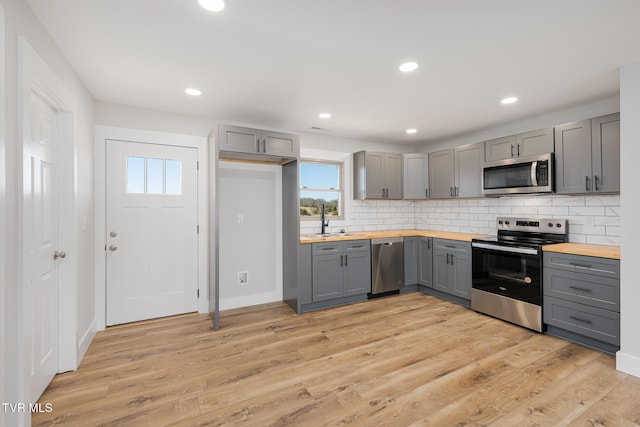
x=173, y=176
x=135, y=175
x=319, y=176
x=154, y=176
x=311, y=203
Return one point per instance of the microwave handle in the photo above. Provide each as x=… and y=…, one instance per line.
x=534, y=169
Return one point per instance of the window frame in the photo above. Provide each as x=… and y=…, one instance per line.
x=339, y=190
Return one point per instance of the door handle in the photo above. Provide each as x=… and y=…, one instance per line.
x=60, y=254
x=113, y=234
x=113, y=248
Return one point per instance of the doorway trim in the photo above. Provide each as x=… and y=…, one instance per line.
x=36, y=75
x=104, y=133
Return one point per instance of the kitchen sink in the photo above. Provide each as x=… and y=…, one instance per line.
x=338, y=234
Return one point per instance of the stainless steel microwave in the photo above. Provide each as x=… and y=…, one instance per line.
x=531, y=174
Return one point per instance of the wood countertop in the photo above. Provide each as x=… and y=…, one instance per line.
x=601, y=251
x=465, y=237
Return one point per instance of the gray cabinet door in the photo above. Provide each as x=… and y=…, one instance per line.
x=441, y=177
x=374, y=175
x=239, y=139
x=410, y=261
x=357, y=273
x=573, y=157
x=535, y=142
x=605, y=134
x=468, y=170
x=425, y=262
x=460, y=270
x=327, y=277
x=441, y=274
x=415, y=171
x=280, y=144
x=500, y=148
x=393, y=175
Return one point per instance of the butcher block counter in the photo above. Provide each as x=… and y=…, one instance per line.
x=600, y=251
x=315, y=238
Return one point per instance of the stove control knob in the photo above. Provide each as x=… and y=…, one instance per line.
x=558, y=225
x=550, y=224
x=500, y=222
x=506, y=222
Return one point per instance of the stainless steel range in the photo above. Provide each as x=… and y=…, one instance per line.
x=507, y=269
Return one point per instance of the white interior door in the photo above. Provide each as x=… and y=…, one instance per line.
x=41, y=240
x=152, y=237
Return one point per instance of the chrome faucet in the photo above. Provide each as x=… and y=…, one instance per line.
x=323, y=224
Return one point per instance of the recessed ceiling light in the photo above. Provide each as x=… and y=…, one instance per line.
x=412, y=131
x=324, y=115
x=509, y=100
x=193, y=92
x=212, y=5
x=408, y=67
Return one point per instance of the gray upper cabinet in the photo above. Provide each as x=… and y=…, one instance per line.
x=255, y=141
x=456, y=172
x=588, y=156
x=525, y=144
x=605, y=147
x=441, y=174
x=377, y=175
x=468, y=170
x=416, y=176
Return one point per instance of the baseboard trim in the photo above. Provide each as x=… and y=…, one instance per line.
x=85, y=341
x=628, y=363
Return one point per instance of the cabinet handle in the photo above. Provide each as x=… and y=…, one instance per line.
x=386, y=193
x=257, y=145
x=346, y=260
x=452, y=257
x=447, y=258
x=341, y=260
x=511, y=150
x=595, y=182
x=518, y=152
x=457, y=188
x=328, y=249
x=451, y=191
x=426, y=193
x=575, y=264
x=578, y=288
x=587, y=183
x=581, y=320
x=428, y=244
x=383, y=192
x=450, y=246
x=264, y=145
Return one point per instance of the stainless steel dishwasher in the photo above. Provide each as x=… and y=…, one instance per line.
x=387, y=265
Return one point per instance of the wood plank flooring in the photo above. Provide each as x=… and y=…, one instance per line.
x=408, y=360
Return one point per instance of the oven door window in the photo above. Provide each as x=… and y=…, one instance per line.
x=509, y=274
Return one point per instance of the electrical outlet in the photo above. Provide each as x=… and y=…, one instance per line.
x=240, y=218
x=243, y=277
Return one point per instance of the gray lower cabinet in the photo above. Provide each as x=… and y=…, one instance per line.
x=588, y=156
x=340, y=269
x=411, y=260
x=239, y=139
x=452, y=267
x=425, y=261
x=525, y=144
x=456, y=172
x=581, y=299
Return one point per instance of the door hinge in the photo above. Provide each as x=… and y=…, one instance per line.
x=198, y=293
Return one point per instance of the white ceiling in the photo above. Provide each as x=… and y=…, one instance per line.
x=280, y=63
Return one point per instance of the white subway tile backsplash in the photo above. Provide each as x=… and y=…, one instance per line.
x=568, y=201
x=603, y=240
x=586, y=210
x=603, y=200
x=554, y=210
x=511, y=201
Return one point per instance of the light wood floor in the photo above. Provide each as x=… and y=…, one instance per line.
x=405, y=360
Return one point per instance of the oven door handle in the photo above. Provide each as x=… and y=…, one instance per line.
x=526, y=251
x=534, y=175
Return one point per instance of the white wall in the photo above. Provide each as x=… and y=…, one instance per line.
x=628, y=358
x=3, y=229
x=252, y=244
x=20, y=21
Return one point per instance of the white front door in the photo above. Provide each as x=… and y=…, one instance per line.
x=41, y=243
x=152, y=236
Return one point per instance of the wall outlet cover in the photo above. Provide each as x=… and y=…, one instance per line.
x=243, y=277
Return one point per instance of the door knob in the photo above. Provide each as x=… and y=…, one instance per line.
x=60, y=254
x=113, y=248
x=113, y=234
